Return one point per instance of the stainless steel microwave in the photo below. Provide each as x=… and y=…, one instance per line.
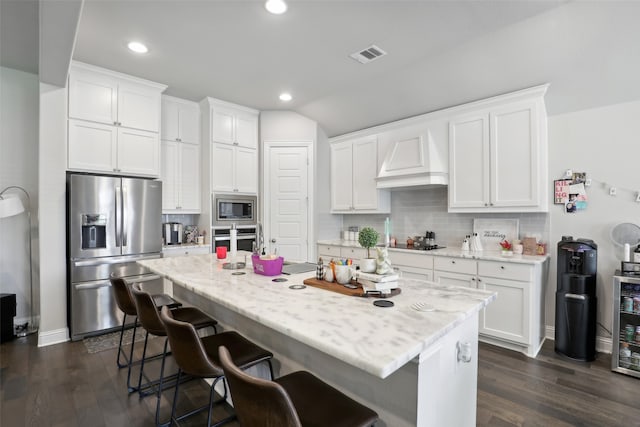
x=234, y=208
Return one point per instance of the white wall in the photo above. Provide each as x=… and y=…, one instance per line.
x=18, y=166
x=603, y=142
x=52, y=184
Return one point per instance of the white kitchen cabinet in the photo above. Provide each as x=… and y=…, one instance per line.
x=412, y=265
x=498, y=155
x=180, y=120
x=354, y=167
x=328, y=251
x=234, y=169
x=180, y=177
x=234, y=126
x=95, y=147
x=174, y=251
x=180, y=171
x=113, y=122
x=103, y=96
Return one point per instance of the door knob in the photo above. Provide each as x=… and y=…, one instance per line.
x=273, y=240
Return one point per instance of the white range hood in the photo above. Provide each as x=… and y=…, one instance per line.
x=414, y=156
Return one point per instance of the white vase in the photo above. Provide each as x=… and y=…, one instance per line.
x=368, y=265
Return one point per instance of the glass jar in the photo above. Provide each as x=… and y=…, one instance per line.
x=629, y=332
x=625, y=356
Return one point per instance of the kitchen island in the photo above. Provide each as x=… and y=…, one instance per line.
x=412, y=367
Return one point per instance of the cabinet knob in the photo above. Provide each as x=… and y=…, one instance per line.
x=273, y=240
x=463, y=350
x=473, y=279
x=453, y=262
x=486, y=204
x=479, y=280
x=491, y=204
x=502, y=267
x=115, y=123
x=235, y=143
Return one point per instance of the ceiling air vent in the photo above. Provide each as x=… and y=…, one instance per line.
x=368, y=54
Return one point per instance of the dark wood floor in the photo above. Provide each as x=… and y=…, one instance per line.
x=63, y=385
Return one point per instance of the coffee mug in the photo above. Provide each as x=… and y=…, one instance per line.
x=221, y=252
x=344, y=273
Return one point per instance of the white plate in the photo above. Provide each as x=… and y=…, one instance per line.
x=422, y=306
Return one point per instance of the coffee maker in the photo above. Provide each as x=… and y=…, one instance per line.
x=576, y=302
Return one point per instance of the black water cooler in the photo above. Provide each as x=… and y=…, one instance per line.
x=576, y=302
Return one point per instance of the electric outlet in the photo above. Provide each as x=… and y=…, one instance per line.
x=587, y=182
x=568, y=173
x=613, y=191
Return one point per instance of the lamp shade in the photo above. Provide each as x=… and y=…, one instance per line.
x=10, y=205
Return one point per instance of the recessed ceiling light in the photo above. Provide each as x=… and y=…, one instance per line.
x=276, y=7
x=137, y=47
x=285, y=97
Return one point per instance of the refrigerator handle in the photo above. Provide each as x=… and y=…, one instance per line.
x=124, y=218
x=118, y=211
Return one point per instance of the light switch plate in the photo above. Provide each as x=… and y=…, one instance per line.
x=613, y=191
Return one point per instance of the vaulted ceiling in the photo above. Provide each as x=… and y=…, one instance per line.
x=440, y=53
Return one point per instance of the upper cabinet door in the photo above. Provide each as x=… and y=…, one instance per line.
x=341, y=176
x=138, y=107
x=138, y=152
x=180, y=120
x=222, y=168
x=92, y=146
x=365, y=170
x=469, y=161
x=170, y=175
x=170, y=129
x=189, y=121
x=246, y=170
x=515, y=155
x=93, y=97
x=222, y=123
x=246, y=130
x=189, y=180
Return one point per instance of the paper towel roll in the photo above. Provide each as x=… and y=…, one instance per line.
x=627, y=252
x=233, y=250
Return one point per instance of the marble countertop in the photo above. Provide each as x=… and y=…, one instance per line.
x=374, y=339
x=184, y=246
x=451, y=252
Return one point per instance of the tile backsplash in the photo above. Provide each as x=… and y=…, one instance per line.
x=413, y=212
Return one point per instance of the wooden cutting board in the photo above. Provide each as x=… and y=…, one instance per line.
x=336, y=287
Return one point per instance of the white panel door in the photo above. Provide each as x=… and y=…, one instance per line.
x=138, y=152
x=365, y=170
x=288, y=204
x=515, y=156
x=92, y=146
x=469, y=161
x=246, y=170
x=222, y=167
x=169, y=173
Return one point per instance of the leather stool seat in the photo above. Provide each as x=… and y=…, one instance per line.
x=319, y=404
x=294, y=400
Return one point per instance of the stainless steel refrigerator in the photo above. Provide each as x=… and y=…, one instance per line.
x=111, y=223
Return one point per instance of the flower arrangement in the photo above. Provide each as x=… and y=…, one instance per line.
x=506, y=246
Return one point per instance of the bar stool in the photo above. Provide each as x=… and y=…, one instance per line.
x=124, y=300
x=198, y=357
x=293, y=400
x=151, y=322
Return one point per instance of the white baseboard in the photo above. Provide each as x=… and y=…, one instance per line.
x=603, y=344
x=56, y=336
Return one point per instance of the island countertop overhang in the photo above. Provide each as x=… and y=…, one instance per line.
x=376, y=340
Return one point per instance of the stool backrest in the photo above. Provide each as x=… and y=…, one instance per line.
x=123, y=296
x=147, y=311
x=256, y=401
x=187, y=348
